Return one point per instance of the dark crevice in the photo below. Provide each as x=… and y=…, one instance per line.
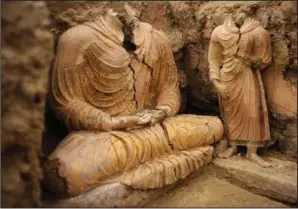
x=37, y=98
x=148, y=66
x=128, y=43
x=238, y=43
x=290, y=73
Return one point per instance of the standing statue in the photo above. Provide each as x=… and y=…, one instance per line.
x=115, y=85
x=238, y=51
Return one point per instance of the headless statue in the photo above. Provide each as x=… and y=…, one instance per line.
x=115, y=86
x=238, y=50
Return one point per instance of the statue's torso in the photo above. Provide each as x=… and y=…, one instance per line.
x=112, y=79
x=237, y=47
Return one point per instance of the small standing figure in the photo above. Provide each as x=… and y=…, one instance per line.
x=239, y=49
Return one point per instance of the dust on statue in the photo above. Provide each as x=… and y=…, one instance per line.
x=239, y=49
x=115, y=85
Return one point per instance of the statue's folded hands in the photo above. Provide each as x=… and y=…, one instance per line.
x=123, y=122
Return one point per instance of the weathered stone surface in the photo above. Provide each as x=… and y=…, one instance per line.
x=278, y=182
x=26, y=54
x=209, y=191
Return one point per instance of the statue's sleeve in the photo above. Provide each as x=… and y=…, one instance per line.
x=262, y=46
x=214, y=56
x=168, y=93
x=66, y=90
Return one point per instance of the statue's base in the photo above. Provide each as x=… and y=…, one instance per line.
x=113, y=195
x=200, y=189
x=278, y=182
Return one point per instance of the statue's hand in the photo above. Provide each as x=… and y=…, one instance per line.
x=157, y=116
x=122, y=122
x=150, y=116
x=222, y=90
x=144, y=117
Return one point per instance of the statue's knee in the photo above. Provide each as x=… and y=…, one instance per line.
x=217, y=127
x=66, y=167
x=52, y=180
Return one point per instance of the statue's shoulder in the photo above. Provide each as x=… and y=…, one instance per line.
x=160, y=37
x=261, y=30
x=217, y=30
x=77, y=34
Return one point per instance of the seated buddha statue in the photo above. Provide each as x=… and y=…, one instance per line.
x=115, y=86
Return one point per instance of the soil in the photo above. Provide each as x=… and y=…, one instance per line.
x=208, y=191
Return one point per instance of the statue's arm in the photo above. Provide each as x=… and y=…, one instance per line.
x=79, y=115
x=168, y=93
x=67, y=93
x=214, y=58
x=262, y=49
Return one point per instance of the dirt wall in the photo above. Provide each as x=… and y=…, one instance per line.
x=27, y=48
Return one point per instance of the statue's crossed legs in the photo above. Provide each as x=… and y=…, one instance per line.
x=150, y=157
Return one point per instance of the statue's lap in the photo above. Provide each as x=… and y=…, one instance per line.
x=150, y=157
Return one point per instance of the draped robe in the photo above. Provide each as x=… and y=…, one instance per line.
x=95, y=79
x=245, y=110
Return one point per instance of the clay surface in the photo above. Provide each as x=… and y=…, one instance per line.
x=26, y=54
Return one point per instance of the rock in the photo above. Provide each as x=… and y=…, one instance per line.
x=209, y=191
x=26, y=53
x=278, y=182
